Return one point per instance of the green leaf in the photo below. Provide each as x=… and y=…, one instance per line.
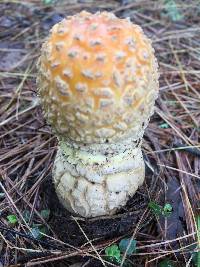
x=195, y=258
x=164, y=126
x=12, y=218
x=113, y=253
x=2, y=195
x=26, y=215
x=37, y=230
x=155, y=208
x=127, y=243
x=172, y=11
x=166, y=263
x=196, y=255
x=167, y=210
x=159, y=210
x=45, y=214
x=127, y=264
x=48, y=2
x=193, y=251
x=43, y=230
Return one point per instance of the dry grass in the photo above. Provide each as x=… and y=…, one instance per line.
x=171, y=143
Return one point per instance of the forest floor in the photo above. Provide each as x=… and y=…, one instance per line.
x=34, y=229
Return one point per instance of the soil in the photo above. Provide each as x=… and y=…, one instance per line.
x=102, y=228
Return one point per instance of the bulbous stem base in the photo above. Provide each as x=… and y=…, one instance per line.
x=95, y=184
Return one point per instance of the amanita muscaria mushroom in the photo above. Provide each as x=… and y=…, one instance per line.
x=98, y=81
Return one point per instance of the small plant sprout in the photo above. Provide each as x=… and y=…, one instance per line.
x=97, y=82
x=12, y=219
x=167, y=210
x=172, y=10
x=164, y=125
x=155, y=208
x=196, y=255
x=158, y=210
x=113, y=254
x=45, y=214
x=166, y=263
x=128, y=245
x=37, y=230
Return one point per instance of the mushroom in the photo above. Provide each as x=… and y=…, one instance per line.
x=97, y=82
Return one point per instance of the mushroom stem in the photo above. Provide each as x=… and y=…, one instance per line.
x=96, y=180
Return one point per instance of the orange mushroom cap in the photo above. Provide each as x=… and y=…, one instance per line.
x=97, y=79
